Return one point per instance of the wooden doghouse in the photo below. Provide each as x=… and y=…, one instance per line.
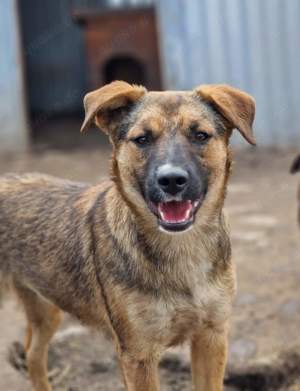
x=122, y=44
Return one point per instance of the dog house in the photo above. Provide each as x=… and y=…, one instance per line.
x=121, y=44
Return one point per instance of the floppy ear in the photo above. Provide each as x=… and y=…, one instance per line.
x=106, y=105
x=296, y=165
x=237, y=107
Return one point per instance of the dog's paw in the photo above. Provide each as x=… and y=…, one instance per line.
x=17, y=357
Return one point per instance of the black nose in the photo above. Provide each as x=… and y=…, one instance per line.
x=172, y=180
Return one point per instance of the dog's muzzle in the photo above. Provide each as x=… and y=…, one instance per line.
x=177, y=206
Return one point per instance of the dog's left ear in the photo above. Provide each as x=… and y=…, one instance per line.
x=108, y=104
x=237, y=107
x=296, y=165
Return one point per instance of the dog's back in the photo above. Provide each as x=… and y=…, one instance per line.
x=43, y=237
x=32, y=208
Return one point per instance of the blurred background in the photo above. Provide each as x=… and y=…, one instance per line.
x=53, y=51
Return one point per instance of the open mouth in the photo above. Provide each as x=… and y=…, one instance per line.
x=176, y=215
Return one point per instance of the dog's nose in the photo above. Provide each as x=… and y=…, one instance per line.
x=172, y=179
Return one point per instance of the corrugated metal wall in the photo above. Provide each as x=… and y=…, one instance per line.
x=251, y=44
x=54, y=51
x=88, y=4
x=54, y=55
x=14, y=130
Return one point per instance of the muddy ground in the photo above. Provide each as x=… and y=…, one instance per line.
x=261, y=205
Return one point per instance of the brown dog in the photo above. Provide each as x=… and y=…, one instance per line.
x=144, y=256
x=296, y=168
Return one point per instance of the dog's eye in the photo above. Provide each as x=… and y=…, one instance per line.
x=142, y=140
x=200, y=136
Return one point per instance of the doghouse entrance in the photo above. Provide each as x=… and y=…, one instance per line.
x=125, y=68
x=122, y=44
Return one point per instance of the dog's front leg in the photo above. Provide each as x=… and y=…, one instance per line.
x=140, y=375
x=209, y=356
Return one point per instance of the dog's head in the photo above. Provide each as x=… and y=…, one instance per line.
x=171, y=148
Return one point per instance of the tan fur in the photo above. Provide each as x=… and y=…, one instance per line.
x=97, y=253
x=113, y=96
x=236, y=106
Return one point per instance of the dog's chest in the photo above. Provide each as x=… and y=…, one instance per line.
x=171, y=320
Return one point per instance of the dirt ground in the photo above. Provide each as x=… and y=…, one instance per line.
x=261, y=206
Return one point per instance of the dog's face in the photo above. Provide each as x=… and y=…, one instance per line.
x=170, y=148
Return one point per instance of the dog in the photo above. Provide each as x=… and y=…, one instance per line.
x=296, y=168
x=144, y=256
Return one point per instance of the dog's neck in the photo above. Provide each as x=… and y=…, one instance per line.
x=157, y=261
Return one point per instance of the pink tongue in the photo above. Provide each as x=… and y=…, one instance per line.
x=175, y=211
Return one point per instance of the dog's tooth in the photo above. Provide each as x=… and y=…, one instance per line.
x=187, y=214
x=161, y=214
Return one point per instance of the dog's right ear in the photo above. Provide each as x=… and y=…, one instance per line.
x=296, y=165
x=107, y=105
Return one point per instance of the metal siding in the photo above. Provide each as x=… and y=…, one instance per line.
x=14, y=129
x=251, y=44
x=54, y=51
x=99, y=4
x=54, y=56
